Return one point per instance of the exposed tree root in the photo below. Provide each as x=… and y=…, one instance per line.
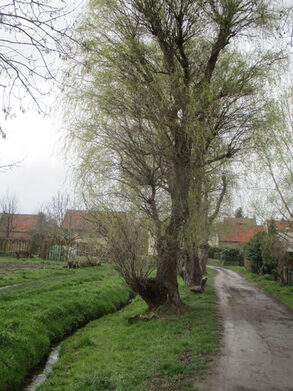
x=144, y=317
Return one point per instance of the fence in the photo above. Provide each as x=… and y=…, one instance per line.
x=289, y=277
x=13, y=245
x=60, y=253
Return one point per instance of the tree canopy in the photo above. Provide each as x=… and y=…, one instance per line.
x=166, y=94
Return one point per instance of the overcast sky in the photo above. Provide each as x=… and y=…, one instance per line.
x=33, y=140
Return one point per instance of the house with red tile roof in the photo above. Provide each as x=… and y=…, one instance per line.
x=22, y=225
x=235, y=232
x=17, y=232
x=77, y=220
x=87, y=227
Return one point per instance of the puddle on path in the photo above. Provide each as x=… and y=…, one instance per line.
x=41, y=377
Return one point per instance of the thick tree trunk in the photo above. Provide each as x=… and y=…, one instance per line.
x=167, y=270
x=162, y=290
x=151, y=291
x=5, y=247
x=203, y=256
x=192, y=271
x=169, y=244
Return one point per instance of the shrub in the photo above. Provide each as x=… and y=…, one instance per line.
x=275, y=257
x=253, y=252
x=231, y=256
x=267, y=255
x=215, y=252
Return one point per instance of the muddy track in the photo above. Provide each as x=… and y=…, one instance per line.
x=257, y=344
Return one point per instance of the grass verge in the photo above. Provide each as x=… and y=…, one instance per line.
x=164, y=354
x=277, y=290
x=13, y=271
x=41, y=311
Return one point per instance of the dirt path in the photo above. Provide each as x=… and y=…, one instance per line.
x=257, y=345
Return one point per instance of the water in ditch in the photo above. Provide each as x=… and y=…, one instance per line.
x=6, y=287
x=41, y=376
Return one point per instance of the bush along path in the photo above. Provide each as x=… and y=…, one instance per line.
x=35, y=314
x=165, y=353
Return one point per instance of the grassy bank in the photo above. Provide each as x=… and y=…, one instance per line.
x=279, y=291
x=164, y=354
x=41, y=310
x=13, y=271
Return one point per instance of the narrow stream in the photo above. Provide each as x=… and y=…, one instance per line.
x=41, y=376
x=6, y=287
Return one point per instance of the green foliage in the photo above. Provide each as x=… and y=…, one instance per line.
x=267, y=253
x=274, y=165
x=253, y=251
x=175, y=94
x=42, y=310
x=231, y=256
x=227, y=255
x=269, y=247
x=272, y=229
x=167, y=353
x=239, y=213
x=275, y=256
x=215, y=252
x=36, y=243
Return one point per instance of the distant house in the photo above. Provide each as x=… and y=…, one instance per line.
x=78, y=221
x=234, y=232
x=22, y=226
x=17, y=231
x=87, y=228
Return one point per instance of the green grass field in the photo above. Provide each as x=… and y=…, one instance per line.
x=47, y=303
x=13, y=271
x=164, y=354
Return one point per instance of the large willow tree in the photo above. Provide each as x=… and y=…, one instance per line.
x=166, y=92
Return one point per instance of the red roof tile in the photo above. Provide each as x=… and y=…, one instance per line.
x=77, y=220
x=80, y=220
x=23, y=222
x=241, y=233
x=239, y=230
